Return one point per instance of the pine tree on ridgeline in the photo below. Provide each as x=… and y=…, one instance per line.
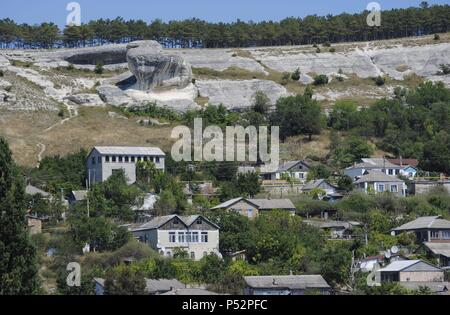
x=18, y=267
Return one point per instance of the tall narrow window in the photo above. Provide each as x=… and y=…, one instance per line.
x=172, y=237
x=181, y=237
x=204, y=237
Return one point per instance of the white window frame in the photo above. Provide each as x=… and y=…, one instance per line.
x=381, y=187
x=396, y=189
x=205, y=237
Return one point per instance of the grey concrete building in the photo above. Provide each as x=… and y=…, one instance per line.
x=104, y=161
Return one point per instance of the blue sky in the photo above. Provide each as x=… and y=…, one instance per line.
x=25, y=11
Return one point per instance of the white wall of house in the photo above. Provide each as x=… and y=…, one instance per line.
x=166, y=241
x=397, y=188
x=101, y=167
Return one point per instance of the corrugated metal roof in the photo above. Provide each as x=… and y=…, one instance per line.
x=439, y=248
x=269, y=204
x=191, y=292
x=433, y=222
x=287, y=282
x=138, y=151
x=399, y=265
x=157, y=222
x=377, y=176
x=31, y=190
x=227, y=204
x=163, y=285
x=80, y=195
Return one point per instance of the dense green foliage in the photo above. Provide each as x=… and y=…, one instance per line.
x=198, y=33
x=298, y=115
x=56, y=173
x=18, y=264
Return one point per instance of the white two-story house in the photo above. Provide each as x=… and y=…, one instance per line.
x=194, y=234
x=102, y=162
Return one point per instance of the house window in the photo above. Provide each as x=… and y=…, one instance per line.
x=380, y=187
x=199, y=222
x=120, y=159
x=181, y=237
x=192, y=255
x=446, y=235
x=169, y=254
x=391, y=171
x=93, y=160
x=172, y=237
x=114, y=159
x=195, y=237
x=99, y=160
x=107, y=159
x=394, y=188
x=188, y=237
x=175, y=222
x=397, y=172
x=157, y=160
x=435, y=235
x=133, y=159
x=127, y=159
x=250, y=213
x=204, y=237
x=145, y=159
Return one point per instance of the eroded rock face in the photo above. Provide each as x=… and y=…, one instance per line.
x=86, y=99
x=153, y=67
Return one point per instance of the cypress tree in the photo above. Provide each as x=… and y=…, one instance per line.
x=18, y=268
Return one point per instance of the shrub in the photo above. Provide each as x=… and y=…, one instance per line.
x=285, y=78
x=99, y=68
x=437, y=37
x=340, y=78
x=321, y=79
x=70, y=67
x=332, y=50
x=326, y=44
x=318, y=50
x=61, y=114
x=2, y=73
x=380, y=81
x=445, y=69
x=296, y=75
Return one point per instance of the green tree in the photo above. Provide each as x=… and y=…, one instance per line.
x=298, y=115
x=18, y=268
x=125, y=281
x=352, y=150
x=344, y=115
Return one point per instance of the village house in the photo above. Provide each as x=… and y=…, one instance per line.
x=194, y=234
x=335, y=229
x=76, y=197
x=431, y=229
x=320, y=184
x=440, y=252
x=373, y=164
x=298, y=170
x=251, y=208
x=413, y=274
x=410, y=167
x=378, y=182
x=153, y=286
x=367, y=264
x=286, y=285
x=33, y=191
x=102, y=162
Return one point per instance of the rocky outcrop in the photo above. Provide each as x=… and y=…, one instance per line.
x=153, y=67
x=113, y=95
x=86, y=99
x=239, y=94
